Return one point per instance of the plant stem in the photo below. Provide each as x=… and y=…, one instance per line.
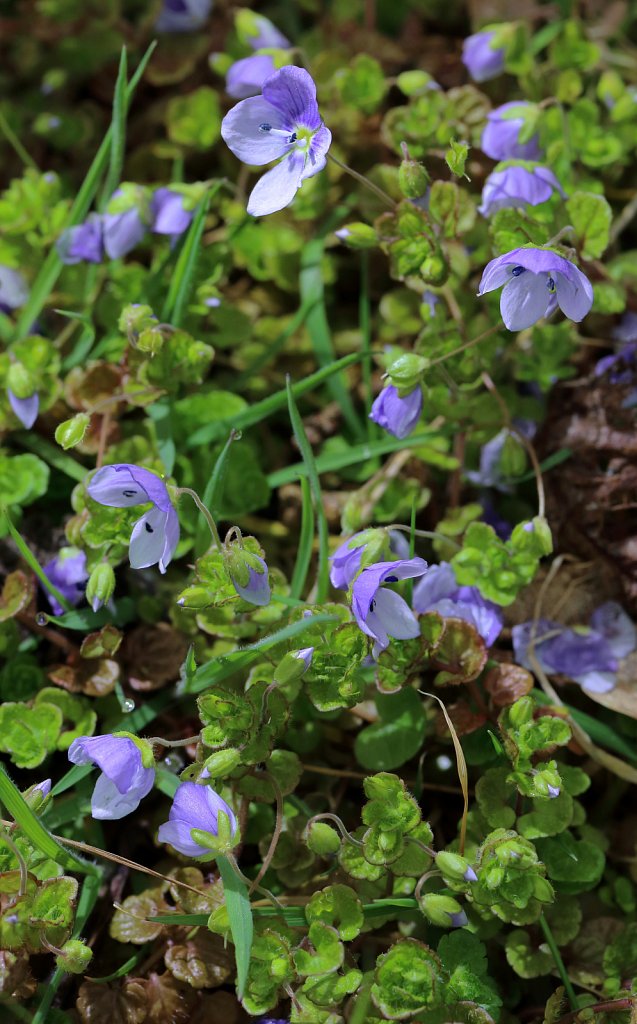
x=467, y=344
x=559, y=963
x=205, y=513
x=387, y=199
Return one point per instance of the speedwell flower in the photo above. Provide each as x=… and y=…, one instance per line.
x=438, y=591
x=194, y=806
x=123, y=223
x=127, y=774
x=246, y=76
x=284, y=122
x=482, y=56
x=346, y=561
x=168, y=213
x=13, y=289
x=500, y=138
x=183, y=15
x=531, y=278
x=26, y=409
x=83, y=243
x=382, y=613
x=156, y=535
x=518, y=185
x=259, y=32
x=397, y=415
x=67, y=572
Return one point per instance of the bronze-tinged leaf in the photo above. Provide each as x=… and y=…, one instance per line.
x=86, y=387
x=217, y=1008
x=153, y=655
x=95, y=679
x=201, y=962
x=103, y=1004
x=506, y=683
x=461, y=654
x=623, y=696
x=464, y=719
x=103, y=643
x=17, y=593
x=129, y=923
x=190, y=902
x=16, y=979
x=166, y=1000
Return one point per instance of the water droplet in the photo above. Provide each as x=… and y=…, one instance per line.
x=174, y=762
x=127, y=705
x=41, y=619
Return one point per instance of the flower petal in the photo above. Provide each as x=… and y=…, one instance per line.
x=292, y=91
x=26, y=409
x=116, y=756
x=437, y=583
x=246, y=77
x=278, y=187
x=524, y=300
x=109, y=804
x=574, y=293
x=613, y=623
x=148, y=541
x=123, y=484
x=172, y=539
x=395, y=616
x=597, y=682
x=177, y=833
x=242, y=133
x=317, y=153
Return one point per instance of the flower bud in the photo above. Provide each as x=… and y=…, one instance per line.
x=248, y=573
x=293, y=665
x=20, y=381
x=434, y=269
x=543, y=890
x=521, y=712
x=357, y=235
x=71, y=432
x=455, y=867
x=150, y=340
x=100, y=586
x=221, y=763
x=441, y=910
x=74, y=957
x=134, y=319
x=37, y=796
x=322, y=839
x=194, y=598
x=413, y=179
x=406, y=372
x=512, y=457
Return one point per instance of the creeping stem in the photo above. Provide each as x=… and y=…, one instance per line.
x=205, y=513
x=387, y=199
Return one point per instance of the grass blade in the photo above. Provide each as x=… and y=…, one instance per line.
x=312, y=292
x=33, y=563
x=118, y=131
x=259, y=411
x=306, y=538
x=213, y=492
x=181, y=281
x=315, y=484
x=52, y=266
x=240, y=915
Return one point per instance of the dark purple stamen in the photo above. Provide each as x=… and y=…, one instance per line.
x=265, y=127
x=391, y=579
x=149, y=528
x=517, y=271
x=129, y=494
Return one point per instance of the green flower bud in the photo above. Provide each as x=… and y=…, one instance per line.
x=413, y=179
x=434, y=269
x=443, y=911
x=71, y=432
x=512, y=456
x=135, y=318
x=74, y=957
x=521, y=712
x=322, y=839
x=194, y=598
x=543, y=535
x=100, y=586
x=543, y=890
x=38, y=797
x=289, y=669
x=455, y=867
x=415, y=82
x=223, y=763
x=406, y=372
x=20, y=381
x=357, y=236
x=150, y=340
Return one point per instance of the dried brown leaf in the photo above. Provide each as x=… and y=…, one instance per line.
x=17, y=593
x=16, y=979
x=103, y=1004
x=129, y=924
x=190, y=902
x=461, y=654
x=153, y=655
x=201, y=961
x=623, y=696
x=94, y=679
x=507, y=683
x=104, y=642
x=165, y=999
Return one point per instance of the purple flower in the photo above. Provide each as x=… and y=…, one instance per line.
x=168, y=213
x=260, y=33
x=156, y=535
x=481, y=58
x=246, y=77
x=44, y=788
x=26, y=409
x=590, y=656
x=397, y=415
x=531, y=277
x=183, y=15
x=500, y=135
x=124, y=781
x=256, y=590
x=553, y=791
x=194, y=806
x=13, y=289
x=516, y=185
x=380, y=613
x=67, y=572
x=304, y=655
x=83, y=243
x=282, y=124
x=626, y=334
x=458, y=920
x=347, y=559
x=438, y=591
x=123, y=229
x=494, y=470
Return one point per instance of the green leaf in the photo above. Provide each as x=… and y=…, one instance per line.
x=29, y=734
x=328, y=952
x=338, y=906
x=548, y=817
x=456, y=157
x=575, y=866
x=496, y=798
x=194, y=119
x=408, y=980
x=524, y=956
x=237, y=904
x=591, y=216
x=463, y=956
x=399, y=734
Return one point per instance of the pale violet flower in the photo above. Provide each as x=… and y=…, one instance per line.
x=399, y=416
x=518, y=185
x=156, y=535
x=256, y=589
x=259, y=32
x=124, y=781
x=500, y=138
x=68, y=574
x=13, y=289
x=168, y=214
x=194, y=806
x=282, y=124
x=382, y=613
x=183, y=15
x=246, y=76
x=438, y=591
x=83, y=243
x=26, y=409
x=532, y=278
x=482, y=57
